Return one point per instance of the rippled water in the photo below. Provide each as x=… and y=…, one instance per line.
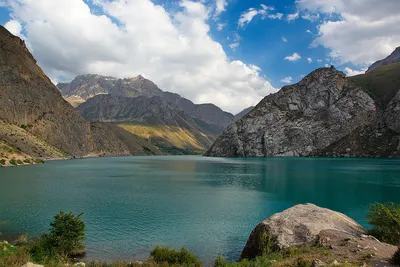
x=209, y=205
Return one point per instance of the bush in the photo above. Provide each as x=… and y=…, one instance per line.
x=64, y=240
x=13, y=162
x=19, y=162
x=27, y=161
x=2, y=162
x=67, y=233
x=38, y=161
x=171, y=256
x=385, y=219
x=396, y=258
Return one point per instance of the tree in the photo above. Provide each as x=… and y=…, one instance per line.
x=385, y=219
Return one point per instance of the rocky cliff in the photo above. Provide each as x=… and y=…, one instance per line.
x=309, y=116
x=87, y=86
x=393, y=58
x=29, y=100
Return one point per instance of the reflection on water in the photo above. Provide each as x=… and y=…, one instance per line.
x=208, y=205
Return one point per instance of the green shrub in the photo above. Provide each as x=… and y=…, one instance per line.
x=385, y=219
x=23, y=126
x=303, y=263
x=171, y=256
x=13, y=162
x=27, y=161
x=2, y=162
x=38, y=161
x=19, y=162
x=65, y=239
x=67, y=233
x=396, y=258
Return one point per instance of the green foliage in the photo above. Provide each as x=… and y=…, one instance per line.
x=65, y=239
x=13, y=256
x=385, y=219
x=27, y=161
x=396, y=258
x=171, y=256
x=303, y=263
x=23, y=126
x=13, y=162
x=67, y=233
x=19, y=162
x=265, y=243
x=38, y=161
x=2, y=162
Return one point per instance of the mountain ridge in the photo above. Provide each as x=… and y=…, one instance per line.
x=392, y=58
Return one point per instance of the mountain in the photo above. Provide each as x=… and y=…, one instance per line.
x=34, y=117
x=243, y=113
x=393, y=58
x=86, y=86
x=300, y=119
x=153, y=118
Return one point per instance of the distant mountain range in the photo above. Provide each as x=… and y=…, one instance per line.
x=325, y=114
x=36, y=121
x=138, y=105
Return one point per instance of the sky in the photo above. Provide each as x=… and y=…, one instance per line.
x=228, y=52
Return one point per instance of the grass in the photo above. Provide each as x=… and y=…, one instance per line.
x=166, y=136
x=381, y=84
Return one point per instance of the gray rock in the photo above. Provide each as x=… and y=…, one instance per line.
x=311, y=115
x=30, y=264
x=296, y=226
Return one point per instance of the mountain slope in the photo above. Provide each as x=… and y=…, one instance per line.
x=152, y=118
x=86, y=86
x=29, y=100
x=393, y=58
x=318, y=111
x=381, y=84
x=243, y=113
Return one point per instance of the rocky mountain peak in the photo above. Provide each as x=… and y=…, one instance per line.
x=299, y=119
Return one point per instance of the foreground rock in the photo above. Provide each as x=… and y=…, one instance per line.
x=30, y=264
x=312, y=115
x=312, y=225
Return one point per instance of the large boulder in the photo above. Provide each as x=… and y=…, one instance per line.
x=297, y=226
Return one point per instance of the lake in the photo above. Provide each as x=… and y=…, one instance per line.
x=208, y=205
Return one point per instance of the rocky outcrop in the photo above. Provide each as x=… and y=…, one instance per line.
x=393, y=58
x=87, y=86
x=299, y=225
x=243, y=113
x=309, y=116
x=48, y=125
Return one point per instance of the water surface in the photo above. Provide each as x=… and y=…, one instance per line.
x=208, y=205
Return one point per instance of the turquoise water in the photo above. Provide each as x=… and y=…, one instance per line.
x=208, y=205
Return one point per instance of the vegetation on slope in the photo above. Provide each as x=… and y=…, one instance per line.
x=381, y=84
x=170, y=139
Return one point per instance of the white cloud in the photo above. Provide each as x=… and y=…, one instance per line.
x=308, y=31
x=175, y=50
x=220, y=26
x=276, y=16
x=220, y=6
x=247, y=17
x=319, y=60
x=292, y=17
x=234, y=45
x=284, y=39
x=287, y=80
x=359, y=32
x=309, y=60
x=293, y=57
x=14, y=27
x=251, y=13
x=350, y=72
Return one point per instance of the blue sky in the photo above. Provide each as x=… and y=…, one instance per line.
x=176, y=43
